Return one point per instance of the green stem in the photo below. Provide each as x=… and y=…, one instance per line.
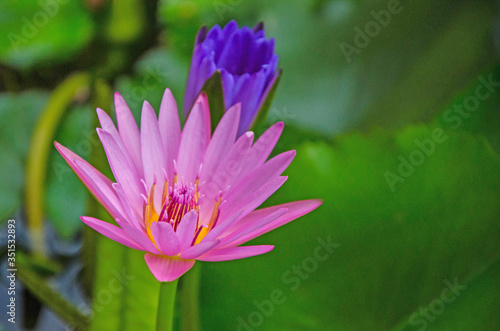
x=38, y=156
x=165, y=314
x=190, y=311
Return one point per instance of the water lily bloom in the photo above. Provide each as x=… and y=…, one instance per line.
x=190, y=195
x=247, y=64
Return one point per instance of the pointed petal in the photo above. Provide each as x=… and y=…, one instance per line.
x=71, y=159
x=108, y=126
x=234, y=253
x=153, y=157
x=220, y=227
x=124, y=174
x=101, y=189
x=228, y=169
x=270, y=170
x=222, y=141
x=167, y=269
x=249, y=202
x=131, y=216
x=170, y=130
x=295, y=210
x=194, y=251
x=111, y=231
x=194, y=141
x=263, y=147
x=165, y=238
x=251, y=227
x=186, y=229
x=128, y=130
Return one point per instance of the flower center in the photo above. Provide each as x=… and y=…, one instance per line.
x=177, y=200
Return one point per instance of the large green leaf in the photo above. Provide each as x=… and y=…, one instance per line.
x=125, y=292
x=396, y=251
x=66, y=197
x=35, y=31
x=404, y=74
x=18, y=114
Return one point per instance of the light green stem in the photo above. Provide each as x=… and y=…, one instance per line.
x=165, y=314
x=190, y=309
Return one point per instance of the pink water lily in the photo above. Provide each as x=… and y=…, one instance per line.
x=187, y=195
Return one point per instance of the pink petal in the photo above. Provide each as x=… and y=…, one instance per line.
x=256, y=179
x=111, y=231
x=108, y=126
x=153, y=157
x=228, y=169
x=199, y=249
x=248, y=203
x=139, y=236
x=251, y=227
x=167, y=269
x=186, y=229
x=220, y=227
x=130, y=214
x=270, y=170
x=124, y=174
x=170, y=130
x=234, y=253
x=263, y=147
x=295, y=210
x=165, y=238
x=101, y=189
x=194, y=141
x=71, y=159
x=128, y=130
x=222, y=141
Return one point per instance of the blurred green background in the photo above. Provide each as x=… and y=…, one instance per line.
x=397, y=128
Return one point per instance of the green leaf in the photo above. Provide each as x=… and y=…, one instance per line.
x=395, y=251
x=66, y=197
x=36, y=31
x=215, y=94
x=125, y=292
x=18, y=114
x=266, y=104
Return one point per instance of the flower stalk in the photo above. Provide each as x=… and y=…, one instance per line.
x=166, y=304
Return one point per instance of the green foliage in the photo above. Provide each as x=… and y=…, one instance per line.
x=39, y=31
x=18, y=114
x=396, y=248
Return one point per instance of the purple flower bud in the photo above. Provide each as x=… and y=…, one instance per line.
x=246, y=62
